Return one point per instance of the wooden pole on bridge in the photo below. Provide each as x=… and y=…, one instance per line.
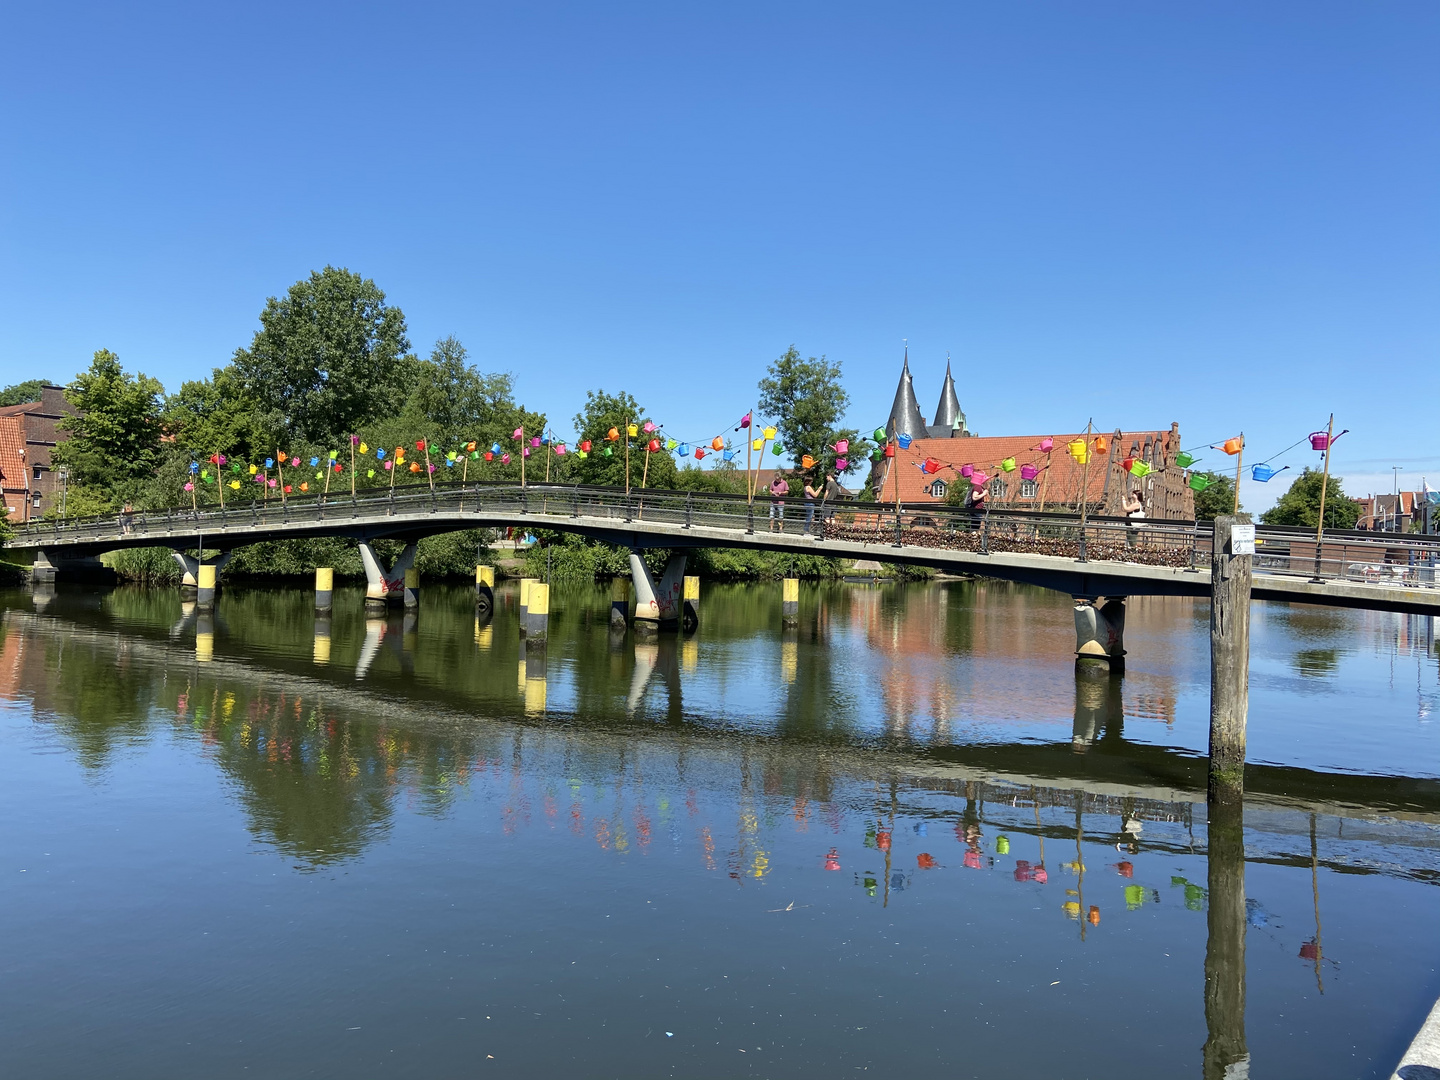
x=1324, y=484
x=1230, y=569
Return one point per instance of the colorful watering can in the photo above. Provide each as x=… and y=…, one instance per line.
x=967, y=471
x=1199, y=482
x=931, y=465
x=889, y=450
x=1046, y=445
x=1029, y=472
x=879, y=434
x=842, y=446
x=1319, y=440
x=1233, y=446
x=1079, y=451
x=1264, y=472
x=758, y=444
x=807, y=462
x=769, y=433
x=652, y=446
x=904, y=441
x=979, y=480
x=717, y=443
x=1102, y=444
x=1141, y=468
x=777, y=449
x=699, y=453
x=1184, y=460
x=632, y=430
x=649, y=426
x=841, y=464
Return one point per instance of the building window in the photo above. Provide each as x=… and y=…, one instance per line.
x=1029, y=489
x=997, y=488
x=38, y=470
x=938, y=489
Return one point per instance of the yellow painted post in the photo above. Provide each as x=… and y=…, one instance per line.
x=537, y=614
x=324, y=587
x=690, y=607
x=619, y=603
x=485, y=588
x=790, y=602
x=412, y=588
x=205, y=576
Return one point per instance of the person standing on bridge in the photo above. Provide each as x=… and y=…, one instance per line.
x=810, y=496
x=778, y=490
x=1134, y=507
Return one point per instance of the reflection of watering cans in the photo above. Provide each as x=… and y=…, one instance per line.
x=904, y=441
x=1008, y=465
x=967, y=471
x=1029, y=472
x=1184, y=460
x=1199, y=483
x=1002, y=845
x=1233, y=446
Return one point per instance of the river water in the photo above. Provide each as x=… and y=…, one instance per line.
x=906, y=839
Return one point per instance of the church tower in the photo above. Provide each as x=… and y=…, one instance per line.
x=905, y=418
x=949, y=420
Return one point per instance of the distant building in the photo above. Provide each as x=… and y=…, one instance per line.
x=1397, y=512
x=29, y=432
x=1059, y=477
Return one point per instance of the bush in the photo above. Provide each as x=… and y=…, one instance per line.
x=145, y=566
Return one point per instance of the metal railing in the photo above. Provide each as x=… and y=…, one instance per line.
x=1353, y=556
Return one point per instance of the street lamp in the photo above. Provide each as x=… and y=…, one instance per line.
x=64, y=489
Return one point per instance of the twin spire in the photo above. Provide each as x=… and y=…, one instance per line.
x=905, y=416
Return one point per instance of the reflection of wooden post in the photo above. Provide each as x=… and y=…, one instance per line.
x=1225, y=943
x=1229, y=662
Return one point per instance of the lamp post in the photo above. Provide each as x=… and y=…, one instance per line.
x=64, y=489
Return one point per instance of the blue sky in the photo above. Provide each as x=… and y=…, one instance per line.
x=1224, y=214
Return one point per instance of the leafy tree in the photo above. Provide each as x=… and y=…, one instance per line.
x=328, y=358
x=1218, y=499
x=114, y=442
x=806, y=400
x=453, y=397
x=602, y=412
x=1301, y=504
x=219, y=415
x=21, y=392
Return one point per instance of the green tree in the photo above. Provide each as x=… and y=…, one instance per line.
x=22, y=392
x=114, y=443
x=1218, y=499
x=328, y=358
x=219, y=415
x=806, y=401
x=454, y=399
x=1301, y=504
x=602, y=412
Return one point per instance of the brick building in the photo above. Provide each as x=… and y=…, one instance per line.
x=29, y=433
x=1058, y=477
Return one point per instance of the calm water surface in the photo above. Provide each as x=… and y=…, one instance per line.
x=905, y=840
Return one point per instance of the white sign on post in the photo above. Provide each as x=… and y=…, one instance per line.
x=1242, y=540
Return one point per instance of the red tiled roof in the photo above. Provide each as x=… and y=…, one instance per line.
x=12, y=458
x=1060, y=477
x=23, y=407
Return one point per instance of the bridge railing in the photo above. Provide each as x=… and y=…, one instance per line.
x=1349, y=555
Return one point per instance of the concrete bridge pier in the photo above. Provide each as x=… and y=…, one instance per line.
x=50, y=567
x=190, y=567
x=1100, y=630
x=657, y=607
x=382, y=587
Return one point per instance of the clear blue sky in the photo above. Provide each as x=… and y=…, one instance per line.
x=1221, y=214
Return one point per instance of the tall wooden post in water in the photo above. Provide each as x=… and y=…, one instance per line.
x=1229, y=655
x=1324, y=486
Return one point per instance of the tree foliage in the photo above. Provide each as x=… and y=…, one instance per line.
x=1218, y=499
x=602, y=412
x=22, y=392
x=1301, y=504
x=329, y=357
x=806, y=402
x=114, y=442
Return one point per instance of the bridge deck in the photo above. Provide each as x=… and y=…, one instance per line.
x=1101, y=557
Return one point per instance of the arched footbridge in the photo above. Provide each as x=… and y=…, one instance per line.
x=1104, y=557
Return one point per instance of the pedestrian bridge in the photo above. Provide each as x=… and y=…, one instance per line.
x=1099, y=557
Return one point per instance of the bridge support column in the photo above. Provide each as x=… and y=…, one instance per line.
x=535, y=623
x=619, y=603
x=1100, y=630
x=1229, y=664
x=657, y=607
x=485, y=588
x=790, y=603
x=690, y=612
x=324, y=587
x=381, y=587
x=190, y=567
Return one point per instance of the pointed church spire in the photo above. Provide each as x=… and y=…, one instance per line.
x=905, y=418
x=948, y=416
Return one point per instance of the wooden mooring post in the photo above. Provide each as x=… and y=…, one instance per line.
x=1229, y=655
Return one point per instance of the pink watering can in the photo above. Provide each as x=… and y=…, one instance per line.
x=1029, y=472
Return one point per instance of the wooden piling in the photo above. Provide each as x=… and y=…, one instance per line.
x=324, y=587
x=790, y=602
x=485, y=588
x=1229, y=659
